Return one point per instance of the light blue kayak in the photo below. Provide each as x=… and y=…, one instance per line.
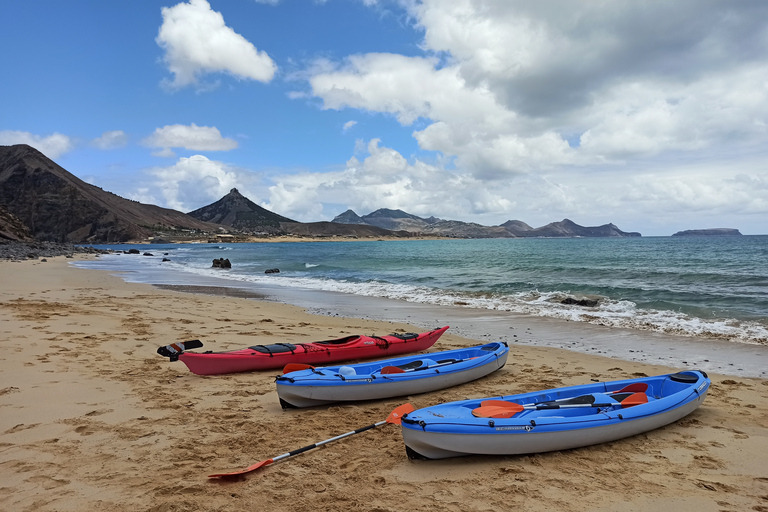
x=555, y=419
x=387, y=378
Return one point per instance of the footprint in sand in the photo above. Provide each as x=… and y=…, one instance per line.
x=47, y=482
x=20, y=427
x=706, y=462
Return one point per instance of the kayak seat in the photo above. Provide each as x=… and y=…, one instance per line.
x=277, y=348
x=340, y=341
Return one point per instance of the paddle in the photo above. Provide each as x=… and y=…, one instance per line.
x=504, y=409
x=636, y=387
x=174, y=350
x=389, y=370
x=394, y=417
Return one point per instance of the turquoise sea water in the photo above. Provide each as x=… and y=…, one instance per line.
x=714, y=287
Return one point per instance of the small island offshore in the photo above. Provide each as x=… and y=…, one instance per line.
x=709, y=232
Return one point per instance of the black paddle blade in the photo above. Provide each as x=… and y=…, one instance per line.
x=174, y=350
x=578, y=400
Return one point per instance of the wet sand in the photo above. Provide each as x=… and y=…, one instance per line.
x=91, y=418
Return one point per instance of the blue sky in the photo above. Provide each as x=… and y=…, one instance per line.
x=651, y=115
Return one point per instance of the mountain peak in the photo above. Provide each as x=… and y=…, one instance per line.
x=239, y=212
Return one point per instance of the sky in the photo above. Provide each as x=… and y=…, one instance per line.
x=651, y=115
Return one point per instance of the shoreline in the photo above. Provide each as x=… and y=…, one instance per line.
x=92, y=418
x=624, y=344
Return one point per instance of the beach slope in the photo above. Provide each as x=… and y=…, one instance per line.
x=91, y=418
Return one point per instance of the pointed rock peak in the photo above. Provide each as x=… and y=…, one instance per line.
x=234, y=192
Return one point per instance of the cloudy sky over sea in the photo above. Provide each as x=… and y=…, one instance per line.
x=652, y=115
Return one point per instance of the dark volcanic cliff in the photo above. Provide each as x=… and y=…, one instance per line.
x=57, y=206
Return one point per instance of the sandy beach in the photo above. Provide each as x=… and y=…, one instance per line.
x=91, y=418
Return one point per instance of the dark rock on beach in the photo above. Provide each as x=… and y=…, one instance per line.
x=590, y=303
x=221, y=263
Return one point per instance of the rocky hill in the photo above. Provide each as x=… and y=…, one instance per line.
x=400, y=220
x=57, y=206
x=242, y=214
x=40, y=200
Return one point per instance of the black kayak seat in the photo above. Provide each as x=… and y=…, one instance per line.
x=277, y=348
x=339, y=341
x=684, y=378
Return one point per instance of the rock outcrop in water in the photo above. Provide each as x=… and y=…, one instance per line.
x=709, y=232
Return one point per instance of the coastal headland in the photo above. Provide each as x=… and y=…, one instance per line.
x=91, y=418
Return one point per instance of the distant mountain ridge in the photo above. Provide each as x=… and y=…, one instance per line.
x=400, y=220
x=39, y=200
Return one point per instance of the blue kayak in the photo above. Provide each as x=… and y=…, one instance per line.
x=555, y=419
x=390, y=377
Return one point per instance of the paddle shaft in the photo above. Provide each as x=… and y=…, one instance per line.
x=438, y=365
x=394, y=417
x=321, y=443
x=566, y=406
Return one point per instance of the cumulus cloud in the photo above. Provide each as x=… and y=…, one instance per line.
x=111, y=140
x=191, y=182
x=53, y=146
x=513, y=87
x=197, y=41
x=192, y=137
x=349, y=124
x=383, y=179
x=682, y=195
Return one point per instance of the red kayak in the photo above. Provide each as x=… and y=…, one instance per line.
x=266, y=357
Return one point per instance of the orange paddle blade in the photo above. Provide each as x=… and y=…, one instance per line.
x=635, y=399
x=391, y=369
x=494, y=411
x=396, y=416
x=497, y=403
x=243, y=471
x=294, y=367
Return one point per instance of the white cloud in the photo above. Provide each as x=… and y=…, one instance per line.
x=676, y=194
x=514, y=87
x=53, y=146
x=349, y=124
x=197, y=41
x=111, y=140
x=193, y=182
x=192, y=137
x=383, y=179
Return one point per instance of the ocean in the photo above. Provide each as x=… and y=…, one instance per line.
x=703, y=288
